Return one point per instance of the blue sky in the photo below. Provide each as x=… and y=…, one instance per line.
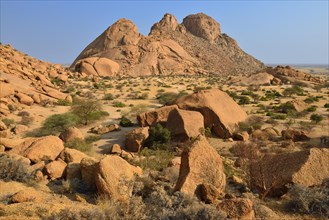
x=286, y=32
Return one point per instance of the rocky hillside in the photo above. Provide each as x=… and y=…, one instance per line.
x=196, y=46
x=26, y=80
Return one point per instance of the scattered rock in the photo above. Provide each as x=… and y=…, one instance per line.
x=55, y=169
x=72, y=155
x=294, y=135
x=241, y=136
x=19, y=129
x=24, y=99
x=200, y=164
x=184, y=125
x=207, y=193
x=26, y=195
x=135, y=139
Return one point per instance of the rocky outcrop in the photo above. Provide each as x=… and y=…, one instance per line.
x=201, y=25
x=221, y=113
x=193, y=47
x=184, y=125
x=200, y=164
x=23, y=79
x=272, y=173
x=294, y=135
x=159, y=115
x=113, y=175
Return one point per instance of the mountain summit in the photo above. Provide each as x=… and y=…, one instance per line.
x=196, y=46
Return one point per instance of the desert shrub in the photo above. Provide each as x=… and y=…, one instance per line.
x=118, y=104
x=154, y=159
x=166, y=97
x=310, y=200
x=134, y=111
x=243, y=100
x=108, y=96
x=55, y=81
x=79, y=144
x=233, y=95
x=14, y=170
x=69, y=89
x=285, y=108
x=294, y=90
x=144, y=95
x=88, y=110
x=8, y=122
x=312, y=108
x=58, y=122
x=252, y=123
x=311, y=99
x=248, y=93
x=125, y=122
x=63, y=102
x=316, y=118
x=326, y=105
x=92, y=138
x=205, y=131
x=158, y=136
x=26, y=120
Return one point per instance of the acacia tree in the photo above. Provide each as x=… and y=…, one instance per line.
x=87, y=110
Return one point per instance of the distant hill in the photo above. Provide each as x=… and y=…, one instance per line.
x=196, y=46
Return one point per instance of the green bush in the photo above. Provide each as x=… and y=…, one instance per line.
x=125, y=122
x=58, y=122
x=144, y=95
x=311, y=99
x=118, y=104
x=205, y=131
x=79, y=144
x=88, y=110
x=294, y=90
x=326, y=105
x=243, y=100
x=158, y=137
x=316, y=118
x=166, y=97
x=312, y=108
x=63, y=102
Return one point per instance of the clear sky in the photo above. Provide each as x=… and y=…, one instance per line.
x=286, y=32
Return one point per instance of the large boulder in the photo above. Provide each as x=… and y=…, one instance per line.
x=159, y=115
x=221, y=113
x=88, y=169
x=272, y=173
x=27, y=195
x=55, y=169
x=70, y=134
x=135, y=139
x=72, y=155
x=113, y=177
x=38, y=149
x=200, y=164
x=184, y=125
x=24, y=99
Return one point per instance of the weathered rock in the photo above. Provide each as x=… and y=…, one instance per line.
x=70, y=134
x=167, y=24
x=159, y=115
x=207, y=193
x=2, y=126
x=265, y=134
x=298, y=105
x=88, y=170
x=294, y=135
x=238, y=208
x=26, y=195
x=72, y=155
x=241, y=136
x=6, y=90
x=55, y=169
x=5, y=134
x=115, y=149
x=201, y=25
x=113, y=176
x=221, y=113
x=100, y=129
x=24, y=99
x=184, y=125
x=200, y=164
x=273, y=172
x=10, y=143
x=19, y=129
x=264, y=212
x=73, y=171
x=37, y=149
x=135, y=139
x=15, y=157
